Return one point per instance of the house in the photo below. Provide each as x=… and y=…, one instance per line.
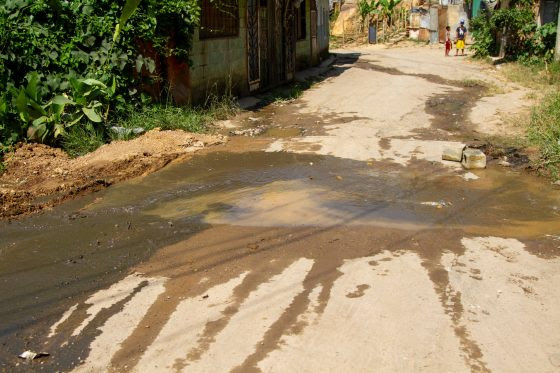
x=252, y=45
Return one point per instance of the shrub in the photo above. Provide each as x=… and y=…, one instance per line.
x=544, y=131
x=525, y=40
x=51, y=49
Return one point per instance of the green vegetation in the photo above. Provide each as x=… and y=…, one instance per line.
x=76, y=67
x=80, y=140
x=383, y=8
x=536, y=75
x=525, y=40
x=491, y=89
x=191, y=119
x=529, y=49
x=544, y=132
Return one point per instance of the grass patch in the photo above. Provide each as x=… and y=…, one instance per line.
x=3, y=151
x=491, y=89
x=544, y=132
x=532, y=76
x=190, y=119
x=79, y=140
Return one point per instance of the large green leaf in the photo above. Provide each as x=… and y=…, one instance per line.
x=36, y=109
x=93, y=83
x=3, y=106
x=39, y=121
x=32, y=87
x=61, y=100
x=92, y=115
x=21, y=105
x=128, y=10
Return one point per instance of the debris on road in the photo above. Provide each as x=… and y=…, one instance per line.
x=255, y=131
x=504, y=163
x=123, y=131
x=470, y=176
x=30, y=355
x=453, y=154
x=473, y=159
x=439, y=205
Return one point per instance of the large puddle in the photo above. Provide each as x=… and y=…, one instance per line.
x=282, y=189
x=50, y=260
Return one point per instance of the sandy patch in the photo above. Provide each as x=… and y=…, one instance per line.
x=38, y=176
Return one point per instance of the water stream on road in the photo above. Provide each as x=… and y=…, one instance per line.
x=50, y=259
x=231, y=210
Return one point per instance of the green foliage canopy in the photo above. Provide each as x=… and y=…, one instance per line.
x=525, y=39
x=46, y=46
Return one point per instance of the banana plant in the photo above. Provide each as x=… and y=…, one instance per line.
x=388, y=7
x=129, y=8
x=46, y=122
x=368, y=8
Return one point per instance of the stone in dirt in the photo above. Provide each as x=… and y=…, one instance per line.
x=30, y=355
x=473, y=159
x=452, y=154
x=249, y=131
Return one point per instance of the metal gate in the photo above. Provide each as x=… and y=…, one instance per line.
x=271, y=42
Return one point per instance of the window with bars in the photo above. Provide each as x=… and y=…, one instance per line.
x=219, y=18
x=300, y=21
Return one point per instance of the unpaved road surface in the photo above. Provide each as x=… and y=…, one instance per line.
x=337, y=241
x=39, y=177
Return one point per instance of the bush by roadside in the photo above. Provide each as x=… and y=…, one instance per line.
x=85, y=139
x=544, y=132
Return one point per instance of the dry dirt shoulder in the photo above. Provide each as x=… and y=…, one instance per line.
x=38, y=176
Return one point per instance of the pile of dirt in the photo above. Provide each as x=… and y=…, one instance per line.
x=38, y=176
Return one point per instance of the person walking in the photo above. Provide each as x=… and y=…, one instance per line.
x=461, y=35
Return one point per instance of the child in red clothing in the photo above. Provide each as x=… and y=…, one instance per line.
x=447, y=40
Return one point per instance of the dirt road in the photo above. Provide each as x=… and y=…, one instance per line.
x=338, y=241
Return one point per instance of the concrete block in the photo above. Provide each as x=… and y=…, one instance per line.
x=473, y=158
x=452, y=154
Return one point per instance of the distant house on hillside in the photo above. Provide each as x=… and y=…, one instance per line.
x=251, y=45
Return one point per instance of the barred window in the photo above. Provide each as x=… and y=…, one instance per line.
x=219, y=18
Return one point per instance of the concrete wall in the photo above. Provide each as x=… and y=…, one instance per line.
x=303, y=47
x=454, y=15
x=215, y=61
x=323, y=27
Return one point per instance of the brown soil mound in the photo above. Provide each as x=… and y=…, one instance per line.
x=38, y=176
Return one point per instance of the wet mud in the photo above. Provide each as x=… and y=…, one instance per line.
x=224, y=212
x=242, y=214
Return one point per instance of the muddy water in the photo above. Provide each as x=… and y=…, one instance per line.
x=283, y=189
x=283, y=202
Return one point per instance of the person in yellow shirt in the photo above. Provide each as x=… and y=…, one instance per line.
x=461, y=35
